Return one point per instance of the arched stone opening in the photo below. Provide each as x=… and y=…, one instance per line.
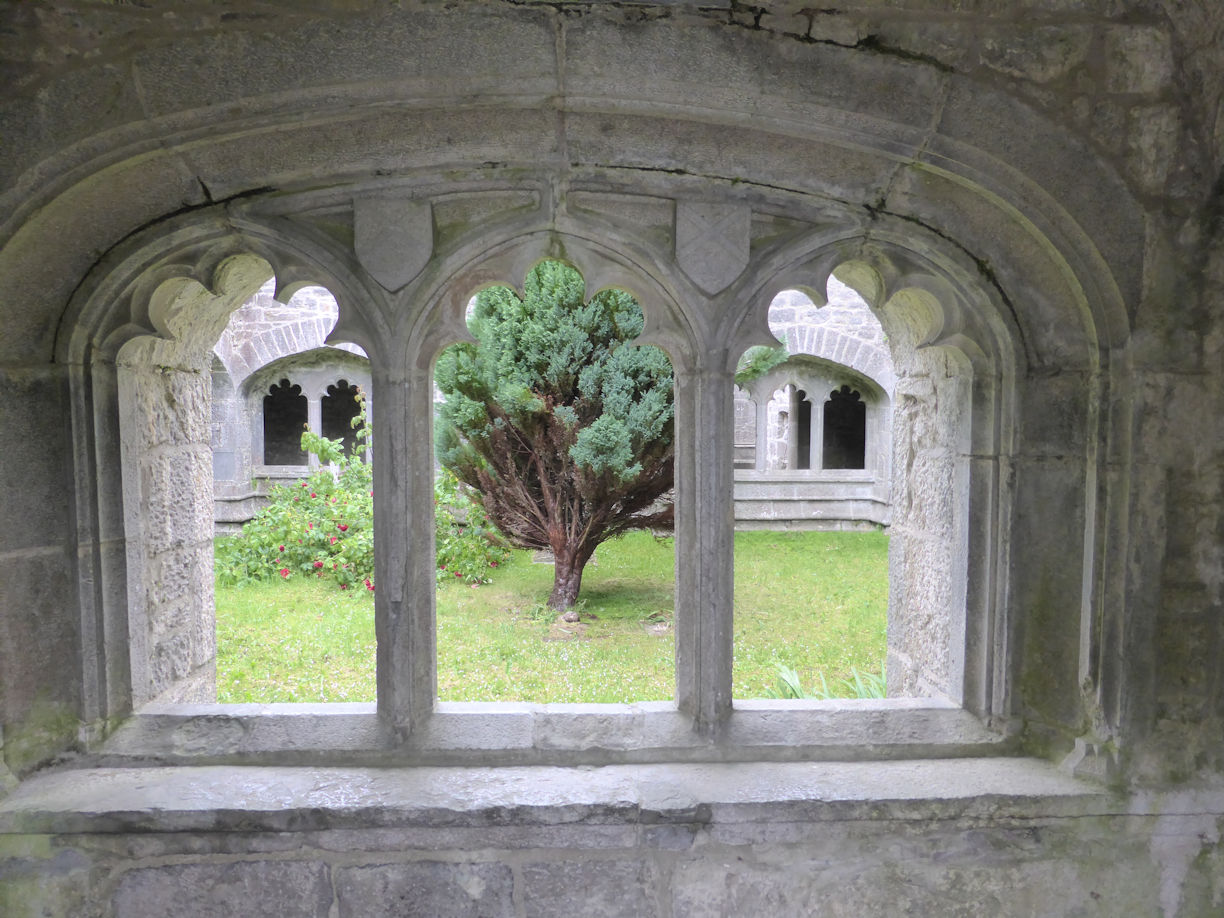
x=146, y=334
x=844, y=439
x=338, y=410
x=544, y=473
x=326, y=380
x=701, y=331
x=942, y=399
x=164, y=388
x=285, y=416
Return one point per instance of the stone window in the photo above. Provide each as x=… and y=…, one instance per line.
x=845, y=430
x=284, y=418
x=803, y=430
x=338, y=408
x=936, y=665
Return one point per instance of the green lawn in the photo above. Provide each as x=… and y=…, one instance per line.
x=816, y=602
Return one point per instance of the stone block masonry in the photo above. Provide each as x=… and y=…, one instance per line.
x=632, y=841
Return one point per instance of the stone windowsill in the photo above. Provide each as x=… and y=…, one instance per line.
x=298, y=799
x=488, y=734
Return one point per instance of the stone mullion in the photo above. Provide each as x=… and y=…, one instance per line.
x=792, y=428
x=314, y=423
x=705, y=424
x=761, y=402
x=816, y=433
x=404, y=548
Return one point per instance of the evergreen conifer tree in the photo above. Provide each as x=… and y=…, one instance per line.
x=564, y=429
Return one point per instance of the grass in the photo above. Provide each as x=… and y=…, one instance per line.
x=814, y=602
x=297, y=640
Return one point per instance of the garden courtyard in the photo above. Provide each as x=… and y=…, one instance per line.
x=810, y=618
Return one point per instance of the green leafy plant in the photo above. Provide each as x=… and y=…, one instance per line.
x=320, y=527
x=759, y=360
x=468, y=546
x=323, y=526
x=859, y=684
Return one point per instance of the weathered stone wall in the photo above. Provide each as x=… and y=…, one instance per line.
x=844, y=331
x=927, y=546
x=262, y=329
x=265, y=338
x=40, y=683
x=1046, y=172
x=441, y=844
x=168, y=499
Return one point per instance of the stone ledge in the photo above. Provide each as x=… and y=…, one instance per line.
x=555, y=734
x=300, y=799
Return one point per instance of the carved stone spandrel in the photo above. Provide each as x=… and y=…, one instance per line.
x=393, y=238
x=712, y=242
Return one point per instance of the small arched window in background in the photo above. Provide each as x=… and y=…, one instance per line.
x=845, y=430
x=339, y=407
x=285, y=415
x=803, y=431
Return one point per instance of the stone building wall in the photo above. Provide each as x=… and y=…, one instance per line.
x=839, y=344
x=1028, y=193
x=265, y=338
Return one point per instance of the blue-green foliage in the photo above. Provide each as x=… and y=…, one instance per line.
x=562, y=427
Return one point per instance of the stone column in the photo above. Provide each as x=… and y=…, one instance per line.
x=792, y=428
x=816, y=432
x=404, y=546
x=761, y=460
x=705, y=511
x=314, y=421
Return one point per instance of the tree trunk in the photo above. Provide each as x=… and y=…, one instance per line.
x=567, y=578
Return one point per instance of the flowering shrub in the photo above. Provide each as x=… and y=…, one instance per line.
x=468, y=546
x=323, y=526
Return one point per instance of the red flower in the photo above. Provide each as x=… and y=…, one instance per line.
x=369, y=586
x=313, y=494
x=304, y=484
x=334, y=540
x=492, y=564
x=343, y=527
x=310, y=525
x=284, y=572
x=344, y=586
x=318, y=564
x=282, y=548
x=458, y=574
